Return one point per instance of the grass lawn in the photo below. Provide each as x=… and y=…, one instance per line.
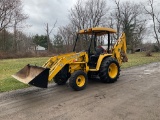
x=140, y=59
x=11, y=66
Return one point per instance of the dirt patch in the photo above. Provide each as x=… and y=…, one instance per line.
x=134, y=96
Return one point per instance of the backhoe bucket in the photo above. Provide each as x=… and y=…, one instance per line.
x=33, y=75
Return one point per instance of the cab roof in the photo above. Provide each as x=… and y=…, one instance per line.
x=98, y=30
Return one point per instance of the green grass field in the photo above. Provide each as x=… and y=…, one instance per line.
x=140, y=59
x=11, y=66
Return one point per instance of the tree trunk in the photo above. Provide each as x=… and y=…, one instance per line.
x=15, y=39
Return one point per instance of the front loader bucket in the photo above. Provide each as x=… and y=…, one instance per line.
x=33, y=75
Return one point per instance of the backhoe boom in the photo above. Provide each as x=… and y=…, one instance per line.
x=120, y=50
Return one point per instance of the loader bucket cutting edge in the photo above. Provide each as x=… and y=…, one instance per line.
x=33, y=75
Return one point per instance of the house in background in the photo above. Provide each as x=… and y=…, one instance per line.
x=34, y=47
x=38, y=47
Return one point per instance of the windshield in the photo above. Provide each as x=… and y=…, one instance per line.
x=85, y=41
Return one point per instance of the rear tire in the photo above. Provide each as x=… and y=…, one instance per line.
x=78, y=80
x=109, y=70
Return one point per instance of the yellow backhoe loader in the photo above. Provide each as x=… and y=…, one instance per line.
x=77, y=67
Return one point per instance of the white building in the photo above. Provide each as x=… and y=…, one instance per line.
x=38, y=47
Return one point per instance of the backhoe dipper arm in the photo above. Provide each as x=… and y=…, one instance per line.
x=119, y=49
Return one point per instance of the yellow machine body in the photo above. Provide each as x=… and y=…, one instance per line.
x=39, y=76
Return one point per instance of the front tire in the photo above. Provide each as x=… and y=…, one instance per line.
x=78, y=80
x=109, y=70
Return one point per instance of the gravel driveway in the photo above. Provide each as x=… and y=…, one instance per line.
x=135, y=96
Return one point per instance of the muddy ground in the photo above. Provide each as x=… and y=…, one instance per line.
x=135, y=96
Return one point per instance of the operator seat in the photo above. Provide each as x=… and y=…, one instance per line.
x=94, y=58
x=99, y=50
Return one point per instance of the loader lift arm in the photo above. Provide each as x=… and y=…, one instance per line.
x=56, y=63
x=40, y=76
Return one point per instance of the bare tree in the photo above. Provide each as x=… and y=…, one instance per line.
x=19, y=17
x=96, y=11
x=155, y=19
x=91, y=13
x=127, y=17
x=7, y=9
x=87, y=14
x=11, y=15
x=23, y=42
x=48, y=32
x=5, y=40
x=68, y=35
x=114, y=20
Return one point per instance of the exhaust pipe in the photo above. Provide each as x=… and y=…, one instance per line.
x=33, y=75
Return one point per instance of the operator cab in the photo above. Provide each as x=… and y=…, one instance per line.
x=91, y=40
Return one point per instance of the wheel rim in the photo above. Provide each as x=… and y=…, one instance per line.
x=80, y=81
x=113, y=70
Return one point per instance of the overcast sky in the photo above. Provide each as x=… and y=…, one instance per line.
x=48, y=11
